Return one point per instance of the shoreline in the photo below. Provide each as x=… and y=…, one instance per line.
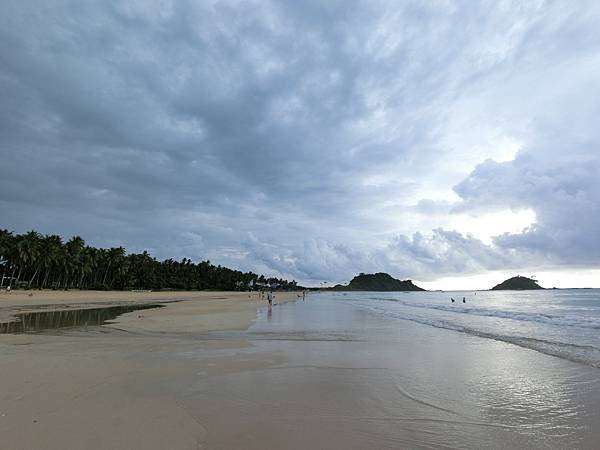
x=216, y=310
x=314, y=374
x=121, y=385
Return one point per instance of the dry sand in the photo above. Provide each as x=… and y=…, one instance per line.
x=117, y=386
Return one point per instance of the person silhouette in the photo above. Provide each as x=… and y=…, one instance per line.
x=464, y=300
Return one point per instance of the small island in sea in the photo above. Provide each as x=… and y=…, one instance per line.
x=517, y=283
x=377, y=282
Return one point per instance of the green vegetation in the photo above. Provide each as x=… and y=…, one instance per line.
x=33, y=260
x=378, y=282
x=517, y=283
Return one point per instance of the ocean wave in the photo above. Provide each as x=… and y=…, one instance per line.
x=546, y=319
x=584, y=354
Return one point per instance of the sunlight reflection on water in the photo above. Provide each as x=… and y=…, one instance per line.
x=459, y=388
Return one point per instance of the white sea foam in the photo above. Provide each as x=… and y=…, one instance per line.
x=565, y=325
x=579, y=321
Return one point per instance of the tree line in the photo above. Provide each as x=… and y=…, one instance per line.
x=33, y=260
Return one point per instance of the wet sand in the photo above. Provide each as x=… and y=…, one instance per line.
x=216, y=372
x=337, y=377
x=116, y=386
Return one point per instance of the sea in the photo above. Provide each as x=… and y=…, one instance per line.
x=389, y=370
x=562, y=323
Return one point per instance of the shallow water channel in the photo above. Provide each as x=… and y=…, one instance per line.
x=45, y=320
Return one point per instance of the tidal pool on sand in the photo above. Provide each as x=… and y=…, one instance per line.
x=65, y=318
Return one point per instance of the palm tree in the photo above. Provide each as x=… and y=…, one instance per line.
x=74, y=248
x=43, y=260
x=50, y=253
x=114, y=260
x=28, y=250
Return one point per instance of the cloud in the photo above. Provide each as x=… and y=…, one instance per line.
x=561, y=185
x=445, y=252
x=308, y=139
x=555, y=171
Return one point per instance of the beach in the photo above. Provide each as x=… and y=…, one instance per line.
x=221, y=371
x=111, y=387
x=212, y=310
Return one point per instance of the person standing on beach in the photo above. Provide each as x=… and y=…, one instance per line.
x=270, y=297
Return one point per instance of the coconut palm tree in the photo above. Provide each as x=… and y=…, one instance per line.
x=28, y=252
x=46, y=261
x=49, y=255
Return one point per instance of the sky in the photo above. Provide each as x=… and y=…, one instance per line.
x=454, y=143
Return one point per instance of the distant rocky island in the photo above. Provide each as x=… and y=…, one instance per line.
x=517, y=283
x=377, y=282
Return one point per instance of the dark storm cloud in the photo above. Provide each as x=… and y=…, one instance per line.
x=308, y=139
